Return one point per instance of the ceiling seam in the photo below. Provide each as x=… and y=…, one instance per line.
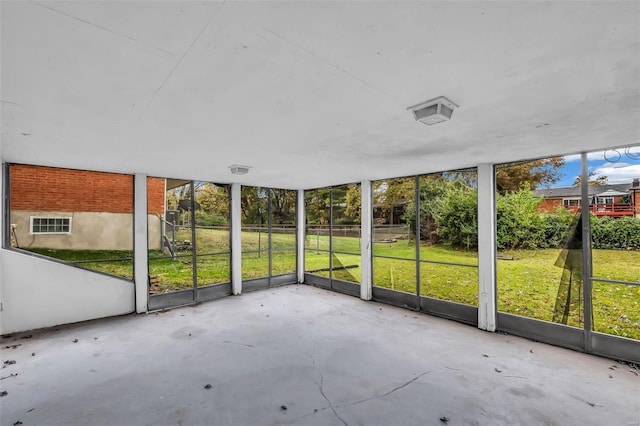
x=326, y=61
x=148, y=46
x=155, y=95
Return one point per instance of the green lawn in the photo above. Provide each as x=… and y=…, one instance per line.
x=527, y=285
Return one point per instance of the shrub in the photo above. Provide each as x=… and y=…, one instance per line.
x=204, y=218
x=619, y=233
x=456, y=216
x=557, y=227
x=519, y=225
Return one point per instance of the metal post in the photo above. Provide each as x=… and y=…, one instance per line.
x=173, y=240
x=194, y=260
x=269, y=248
x=300, y=235
x=5, y=205
x=586, y=252
x=330, y=237
x=416, y=195
x=260, y=237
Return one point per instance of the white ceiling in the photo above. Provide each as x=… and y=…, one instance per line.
x=313, y=93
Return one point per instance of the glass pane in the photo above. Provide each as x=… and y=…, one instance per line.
x=317, y=218
x=212, y=218
x=395, y=274
x=170, y=236
x=449, y=282
x=255, y=232
x=539, y=259
x=316, y=262
x=81, y=217
x=255, y=264
x=346, y=218
x=449, y=217
x=283, y=231
x=394, y=218
x=616, y=309
x=317, y=237
x=167, y=274
x=346, y=267
x=213, y=269
x=614, y=197
x=283, y=262
x=212, y=233
x=447, y=253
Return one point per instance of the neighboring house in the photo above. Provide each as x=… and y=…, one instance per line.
x=382, y=215
x=604, y=200
x=77, y=209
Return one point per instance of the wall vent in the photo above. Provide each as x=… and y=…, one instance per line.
x=433, y=111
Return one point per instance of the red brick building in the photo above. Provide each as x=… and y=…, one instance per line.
x=604, y=200
x=78, y=209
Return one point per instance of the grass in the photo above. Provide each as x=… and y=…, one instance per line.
x=527, y=285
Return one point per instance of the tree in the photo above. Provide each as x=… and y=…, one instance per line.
x=432, y=189
x=391, y=192
x=536, y=173
x=283, y=206
x=353, y=202
x=253, y=205
x=213, y=199
x=317, y=206
x=593, y=180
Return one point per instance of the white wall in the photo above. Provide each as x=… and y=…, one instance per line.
x=40, y=293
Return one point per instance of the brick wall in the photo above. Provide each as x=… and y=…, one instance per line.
x=155, y=195
x=550, y=204
x=37, y=188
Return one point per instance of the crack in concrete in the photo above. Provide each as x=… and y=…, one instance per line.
x=329, y=401
x=311, y=356
x=238, y=343
x=397, y=388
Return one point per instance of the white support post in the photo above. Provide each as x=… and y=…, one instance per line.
x=301, y=224
x=141, y=242
x=366, y=220
x=236, y=240
x=487, y=310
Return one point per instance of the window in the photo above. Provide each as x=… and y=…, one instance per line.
x=604, y=200
x=50, y=225
x=568, y=202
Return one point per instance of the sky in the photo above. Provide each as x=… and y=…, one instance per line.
x=619, y=165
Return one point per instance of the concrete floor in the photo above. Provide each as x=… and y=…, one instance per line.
x=299, y=355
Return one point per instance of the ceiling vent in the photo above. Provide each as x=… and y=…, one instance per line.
x=433, y=111
x=237, y=169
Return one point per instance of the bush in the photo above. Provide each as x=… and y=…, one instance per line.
x=609, y=233
x=432, y=190
x=449, y=214
x=557, y=227
x=519, y=225
x=209, y=219
x=456, y=217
